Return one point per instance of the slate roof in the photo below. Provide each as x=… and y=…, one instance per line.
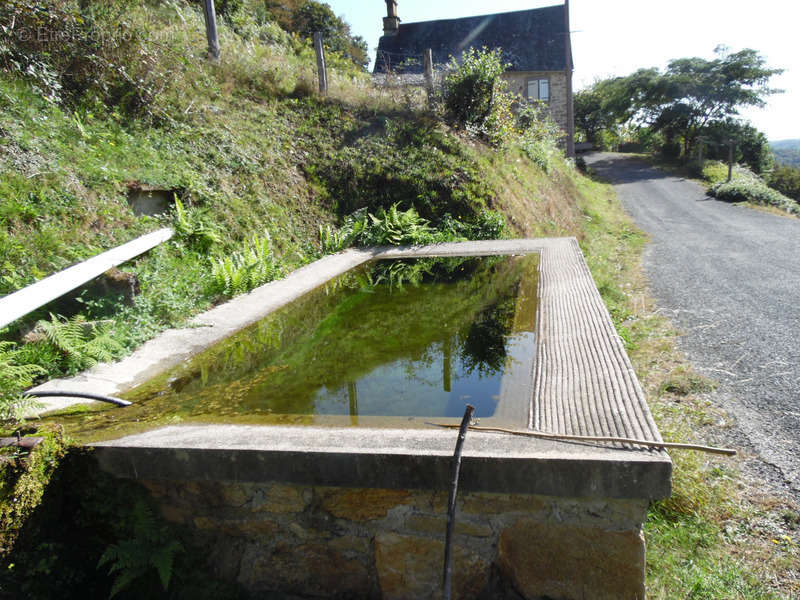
x=532, y=40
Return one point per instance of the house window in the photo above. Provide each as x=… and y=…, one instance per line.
x=539, y=89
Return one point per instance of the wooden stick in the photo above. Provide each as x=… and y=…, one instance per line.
x=451, y=504
x=210, y=14
x=321, y=68
x=587, y=438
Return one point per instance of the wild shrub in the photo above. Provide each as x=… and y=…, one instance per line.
x=476, y=98
x=753, y=190
x=539, y=134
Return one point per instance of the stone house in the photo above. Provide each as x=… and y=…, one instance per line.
x=535, y=42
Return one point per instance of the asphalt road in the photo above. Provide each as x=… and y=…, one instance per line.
x=729, y=278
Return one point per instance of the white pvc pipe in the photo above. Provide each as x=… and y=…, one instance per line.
x=36, y=295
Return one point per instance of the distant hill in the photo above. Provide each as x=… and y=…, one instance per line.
x=787, y=152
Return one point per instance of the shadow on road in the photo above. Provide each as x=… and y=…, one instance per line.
x=620, y=168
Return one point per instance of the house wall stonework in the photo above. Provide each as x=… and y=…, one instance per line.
x=389, y=543
x=518, y=84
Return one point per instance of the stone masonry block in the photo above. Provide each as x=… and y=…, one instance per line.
x=569, y=562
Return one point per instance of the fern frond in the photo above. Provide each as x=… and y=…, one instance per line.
x=66, y=335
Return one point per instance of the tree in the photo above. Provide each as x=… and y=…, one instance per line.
x=611, y=103
x=751, y=145
x=312, y=16
x=786, y=180
x=694, y=92
x=684, y=100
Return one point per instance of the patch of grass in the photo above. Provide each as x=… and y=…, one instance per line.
x=683, y=381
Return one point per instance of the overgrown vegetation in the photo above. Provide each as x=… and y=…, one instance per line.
x=476, y=98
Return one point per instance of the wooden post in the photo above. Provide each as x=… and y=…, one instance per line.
x=730, y=160
x=429, y=71
x=211, y=29
x=323, y=73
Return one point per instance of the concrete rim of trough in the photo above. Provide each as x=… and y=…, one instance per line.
x=584, y=385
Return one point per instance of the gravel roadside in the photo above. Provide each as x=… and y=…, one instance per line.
x=729, y=278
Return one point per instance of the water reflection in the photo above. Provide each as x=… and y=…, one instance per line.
x=395, y=338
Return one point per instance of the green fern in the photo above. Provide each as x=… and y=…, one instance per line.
x=247, y=269
x=335, y=240
x=192, y=231
x=77, y=343
x=14, y=378
x=392, y=227
x=396, y=227
x=149, y=549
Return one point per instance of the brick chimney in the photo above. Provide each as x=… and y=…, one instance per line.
x=391, y=22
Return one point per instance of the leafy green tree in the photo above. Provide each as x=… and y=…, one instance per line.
x=752, y=147
x=312, y=16
x=694, y=92
x=610, y=105
x=690, y=96
x=590, y=115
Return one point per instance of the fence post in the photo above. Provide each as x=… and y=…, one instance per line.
x=429, y=71
x=730, y=160
x=211, y=29
x=323, y=73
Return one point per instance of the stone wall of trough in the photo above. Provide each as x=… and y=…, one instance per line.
x=381, y=543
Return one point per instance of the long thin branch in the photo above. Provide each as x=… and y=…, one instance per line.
x=447, y=574
x=588, y=438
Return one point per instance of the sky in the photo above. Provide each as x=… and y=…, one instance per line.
x=616, y=37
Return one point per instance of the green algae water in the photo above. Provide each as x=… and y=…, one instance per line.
x=393, y=341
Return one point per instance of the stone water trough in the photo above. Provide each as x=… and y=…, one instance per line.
x=360, y=512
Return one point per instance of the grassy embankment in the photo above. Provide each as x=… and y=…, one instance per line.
x=253, y=151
